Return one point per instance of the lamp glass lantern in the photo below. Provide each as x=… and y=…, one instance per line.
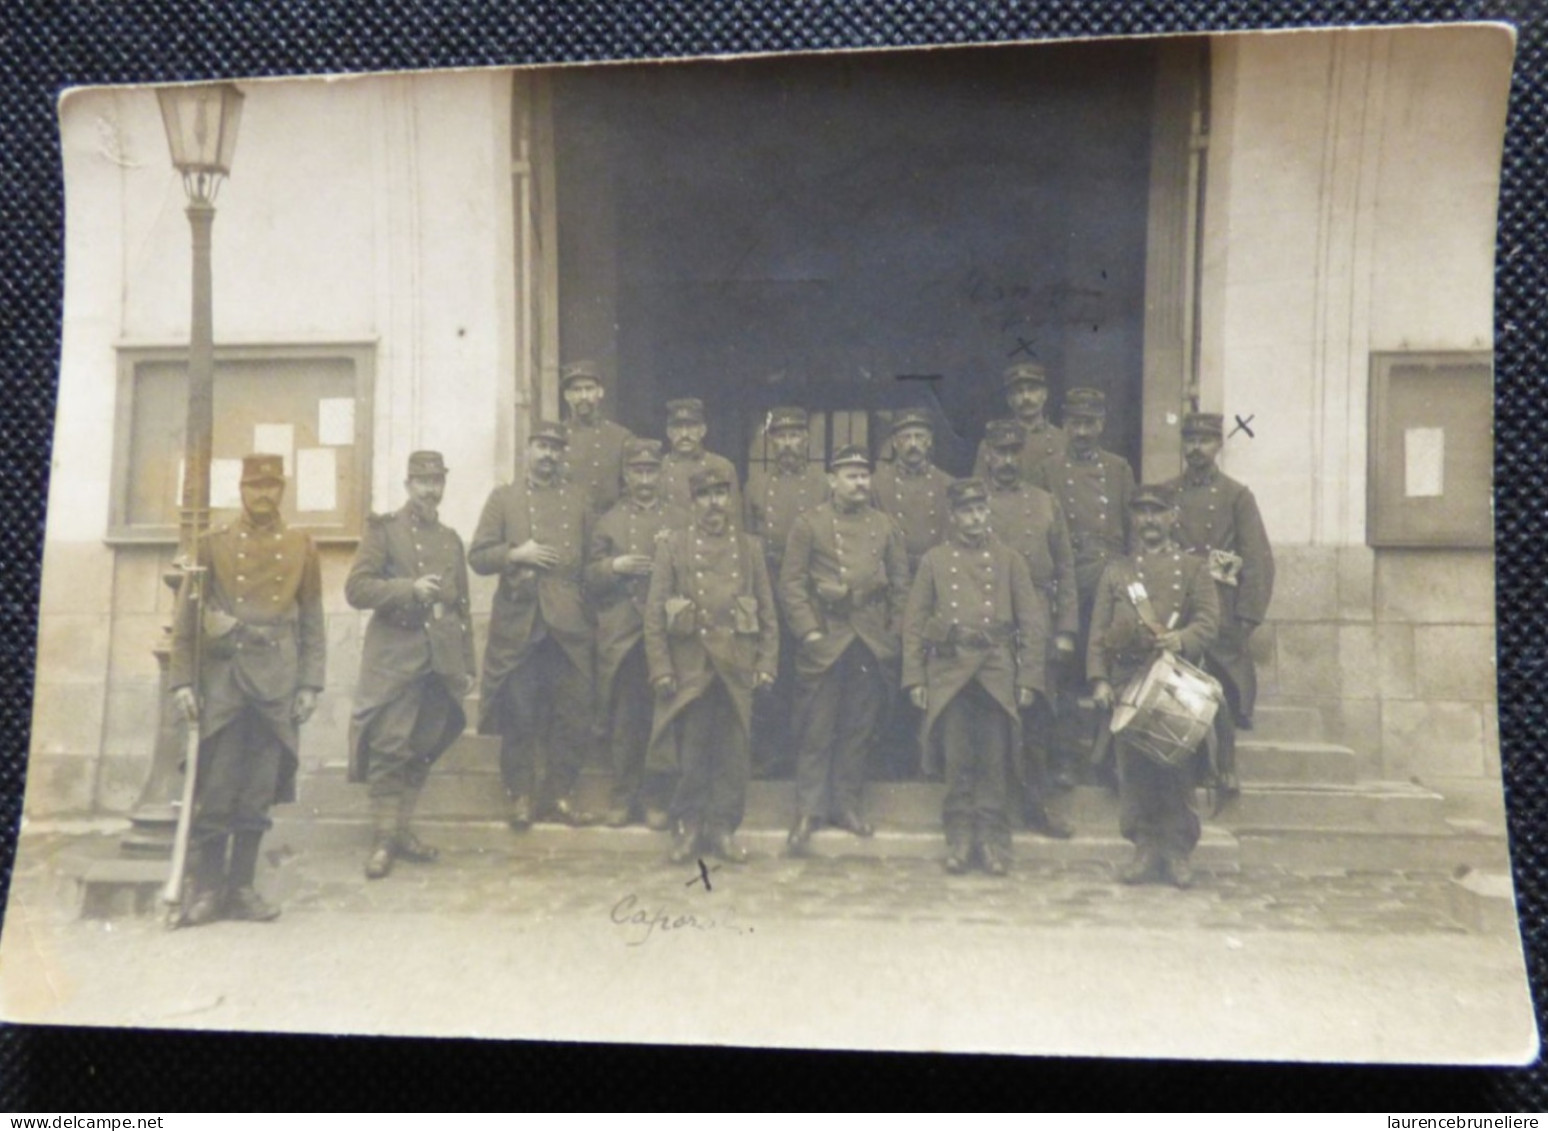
x=201, y=122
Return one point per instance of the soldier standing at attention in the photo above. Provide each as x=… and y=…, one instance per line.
x=594, y=458
x=843, y=585
x=537, y=691
x=618, y=571
x=261, y=665
x=1157, y=599
x=1218, y=520
x=1029, y=521
x=912, y=489
x=1093, y=488
x=775, y=495
x=974, y=639
x=712, y=639
x=1026, y=392
x=418, y=659
x=686, y=454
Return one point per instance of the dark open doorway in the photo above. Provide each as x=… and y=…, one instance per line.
x=858, y=234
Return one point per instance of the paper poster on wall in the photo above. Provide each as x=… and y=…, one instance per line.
x=277, y=440
x=1424, y=462
x=316, y=480
x=336, y=420
x=225, y=483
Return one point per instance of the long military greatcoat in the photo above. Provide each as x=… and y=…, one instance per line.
x=677, y=470
x=619, y=601
x=1094, y=495
x=407, y=641
x=531, y=604
x=1030, y=521
x=1048, y=442
x=594, y=460
x=917, y=503
x=962, y=590
x=263, y=636
x=1215, y=512
x=846, y=576
x=773, y=499
x=729, y=628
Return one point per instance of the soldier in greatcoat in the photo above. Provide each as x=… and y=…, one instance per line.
x=1029, y=520
x=1160, y=598
x=1093, y=487
x=843, y=587
x=410, y=570
x=974, y=639
x=536, y=692
x=911, y=488
x=593, y=459
x=1026, y=393
x=788, y=486
x=686, y=454
x=261, y=644
x=1218, y=519
x=712, y=639
x=618, y=571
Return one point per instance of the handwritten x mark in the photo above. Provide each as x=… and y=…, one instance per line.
x=1241, y=426
x=704, y=875
x=1023, y=346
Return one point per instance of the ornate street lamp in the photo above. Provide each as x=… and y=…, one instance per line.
x=201, y=123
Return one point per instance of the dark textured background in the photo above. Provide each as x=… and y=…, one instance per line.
x=46, y=45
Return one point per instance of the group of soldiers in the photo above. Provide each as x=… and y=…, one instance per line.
x=642, y=596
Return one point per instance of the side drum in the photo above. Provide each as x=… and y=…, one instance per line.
x=1167, y=710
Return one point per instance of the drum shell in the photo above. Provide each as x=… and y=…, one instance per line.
x=1167, y=711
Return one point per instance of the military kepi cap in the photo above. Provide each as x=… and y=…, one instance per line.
x=263, y=468
x=1203, y=424
x=1027, y=371
x=1005, y=434
x=426, y=465
x=786, y=417
x=1152, y=495
x=912, y=418
x=580, y=370
x=706, y=479
x=685, y=410
x=550, y=430
x=850, y=455
x=961, y=492
x=642, y=452
x=1085, y=402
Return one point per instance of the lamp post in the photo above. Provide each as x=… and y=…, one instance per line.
x=201, y=123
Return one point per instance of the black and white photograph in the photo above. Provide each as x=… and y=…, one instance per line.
x=973, y=549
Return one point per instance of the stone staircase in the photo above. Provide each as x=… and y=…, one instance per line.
x=1302, y=805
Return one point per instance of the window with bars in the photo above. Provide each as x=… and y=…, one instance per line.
x=829, y=432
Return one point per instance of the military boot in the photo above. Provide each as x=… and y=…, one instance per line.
x=685, y=842
x=959, y=845
x=1143, y=869
x=207, y=894
x=384, y=820
x=244, y=902
x=407, y=846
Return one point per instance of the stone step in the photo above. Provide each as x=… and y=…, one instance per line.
x=1381, y=851
x=1367, y=806
x=1292, y=761
x=1274, y=721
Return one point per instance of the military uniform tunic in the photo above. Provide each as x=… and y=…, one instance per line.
x=594, y=460
x=1155, y=801
x=917, y=503
x=417, y=657
x=1044, y=443
x=1094, y=494
x=263, y=639
x=539, y=616
x=845, y=575
x=1215, y=512
x=1030, y=521
x=774, y=498
x=677, y=470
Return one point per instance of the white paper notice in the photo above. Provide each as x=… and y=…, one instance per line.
x=336, y=420
x=316, y=480
x=1424, y=462
x=225, y=483
x=276, y=440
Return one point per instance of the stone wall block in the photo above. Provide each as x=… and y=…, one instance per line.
x=1306, y=583
x=66, y=719
x=132, y=720
x=1395, y=661
x=77, y=578
x=132, y=655
x=119, y=781
x=73, y=647
x=1308, y=660
x=325, y=737
x=1357, y=664
x=1435, y=586
x=1356, y=583
x=1455, y=661
x=59, y=786
x=139, y=584
x=346, y=636
x=1436, y=738
x=1265, y=655
x=335, y=563
x=1356, y=723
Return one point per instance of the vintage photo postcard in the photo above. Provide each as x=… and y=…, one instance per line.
x=982, y=549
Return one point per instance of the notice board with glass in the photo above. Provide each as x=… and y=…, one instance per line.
x=309, y=404
x=1431, y=456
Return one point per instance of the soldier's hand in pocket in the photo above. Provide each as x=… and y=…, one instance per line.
x=305, y=704
x=187, y=703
